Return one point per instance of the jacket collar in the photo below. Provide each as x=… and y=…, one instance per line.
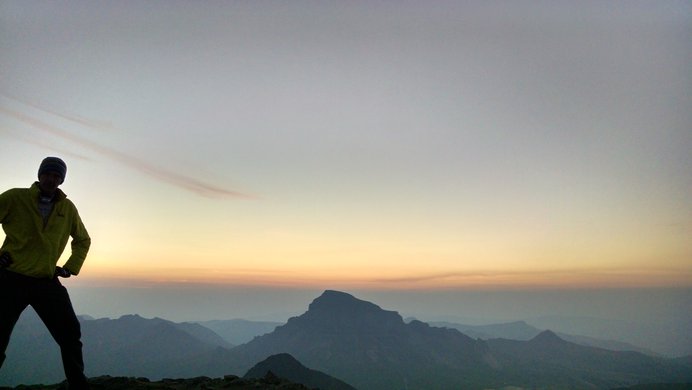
x=35, y=191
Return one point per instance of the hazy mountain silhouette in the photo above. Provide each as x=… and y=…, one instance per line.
x=239, y=331
x=205, y=334
x=142, y=347
x=286, y=366
x=548, y=359
x=372, y=348
x=520, y=330
x=666, y=338
x=344, y=337
x=128, y=346
x=32, y=355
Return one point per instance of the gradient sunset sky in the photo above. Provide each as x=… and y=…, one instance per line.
x=383, y=145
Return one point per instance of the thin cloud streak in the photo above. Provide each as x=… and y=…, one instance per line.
x=176, y=179
x=23, y=136
x=102, y=126
x=565, y=277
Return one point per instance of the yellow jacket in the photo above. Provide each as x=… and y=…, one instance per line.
x=35, y=248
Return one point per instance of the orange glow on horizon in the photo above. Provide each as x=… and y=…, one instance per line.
x=362, y=279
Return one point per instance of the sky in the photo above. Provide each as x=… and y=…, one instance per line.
x=385, y=146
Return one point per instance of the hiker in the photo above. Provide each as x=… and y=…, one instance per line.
x=38, y=222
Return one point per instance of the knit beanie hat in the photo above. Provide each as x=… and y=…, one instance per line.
x=53, y=164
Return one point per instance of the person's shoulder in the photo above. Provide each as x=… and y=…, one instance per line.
x=69, y=203
x=65, y=201
x=15, y=191
x=13, y=195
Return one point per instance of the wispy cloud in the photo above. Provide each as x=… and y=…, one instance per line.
x=613, y=277
x=43, y=142
x=442, y=277
x=91, y=123
x=174, y=178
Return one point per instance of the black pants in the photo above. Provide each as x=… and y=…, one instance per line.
x=52, y=304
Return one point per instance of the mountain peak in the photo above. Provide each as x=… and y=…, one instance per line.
x=337, y=302
x=335, y=297
x=547, y=337
x=338, y=310
x=286, y=366
x=279, y=363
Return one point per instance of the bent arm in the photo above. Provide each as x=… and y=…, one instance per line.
x=80, y=246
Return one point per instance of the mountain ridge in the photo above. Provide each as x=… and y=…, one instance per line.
x=378, y=343
x=372, y=348
x=365, y=346
x=523, y=331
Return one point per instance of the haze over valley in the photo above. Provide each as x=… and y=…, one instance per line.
x=350, y=339
x=479, y=191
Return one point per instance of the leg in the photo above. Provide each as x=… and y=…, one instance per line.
x=12, y=304
x=53, y=305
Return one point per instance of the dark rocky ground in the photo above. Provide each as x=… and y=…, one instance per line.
x=269, y=382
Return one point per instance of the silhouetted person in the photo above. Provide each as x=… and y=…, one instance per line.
x=38, y=222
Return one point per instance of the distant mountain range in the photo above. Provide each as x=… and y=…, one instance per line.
x=354, y=342
x=520, y=330
x=371, y=348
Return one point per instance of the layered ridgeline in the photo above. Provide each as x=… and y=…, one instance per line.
x=353, y=341
x=520, y=330
x=371, y=348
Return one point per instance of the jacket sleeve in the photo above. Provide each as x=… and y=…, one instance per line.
x=4, y=205
x=80, y=245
